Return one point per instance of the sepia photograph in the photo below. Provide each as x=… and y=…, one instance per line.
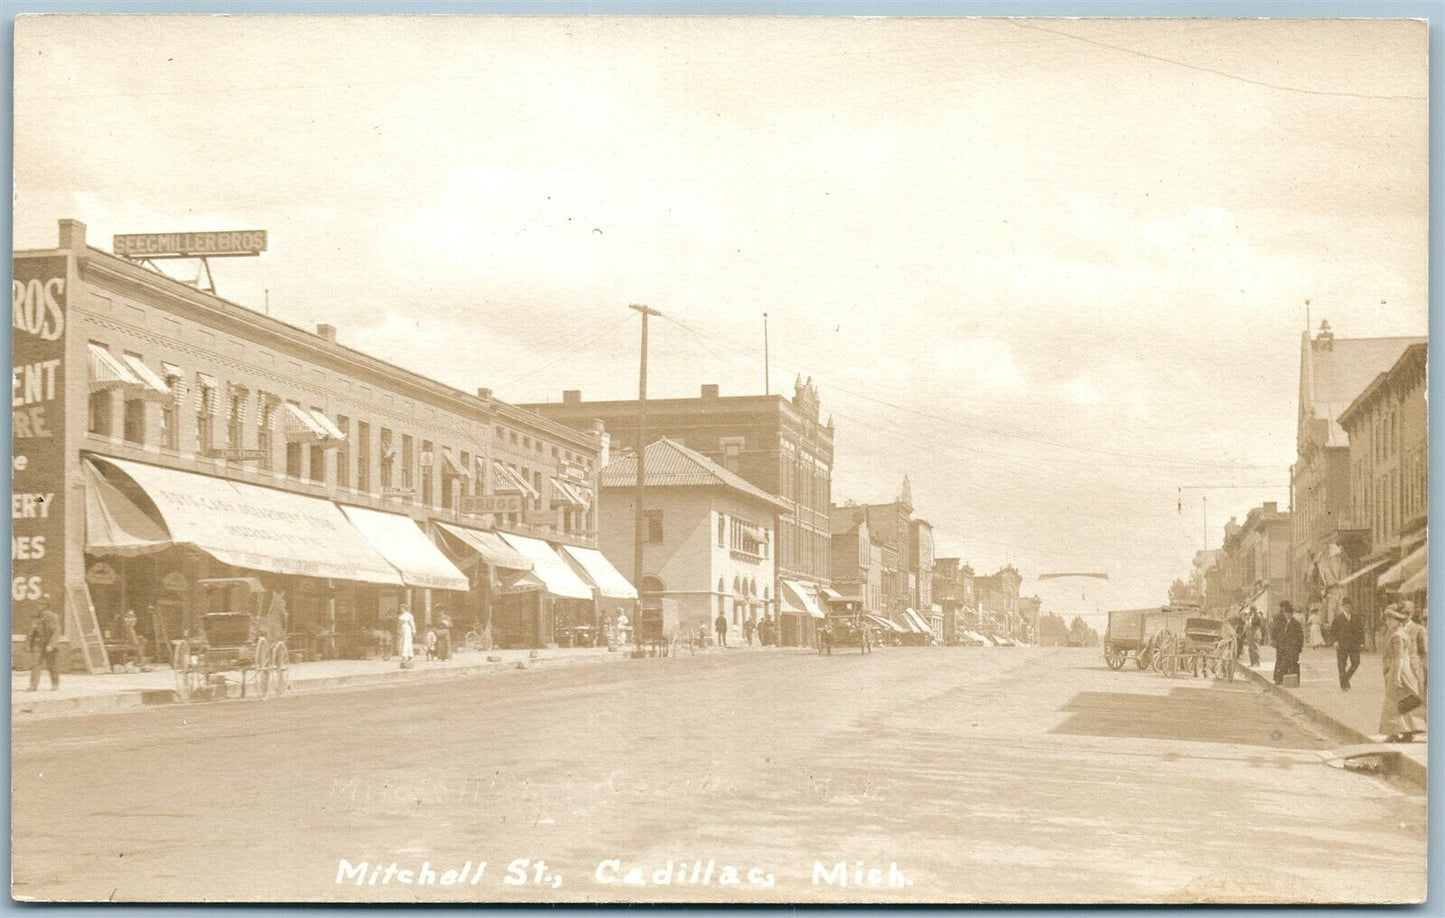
x=719, y=460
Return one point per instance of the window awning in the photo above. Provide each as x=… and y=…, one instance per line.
x=548, y=567
x=106, y=372
x=301, y=427
x=451, y=467
x=570, y=493
x=114, y=525
x=489, y=546
x=328, y=426
x=594, y=566
x=1364, y=570
x=401, y=542
x=248, y=526
x=916, y=620
x=506, y=481
x=800, y=598
x=154, y=388
x=1405, y=568
x=1418, y=581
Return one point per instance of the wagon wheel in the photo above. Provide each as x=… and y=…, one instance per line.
x=260, y=658
x=1169, y=657
x=1114, y=658
x=1142, y=657
x=1224, y=661
x=189, y=678
x=280, y=669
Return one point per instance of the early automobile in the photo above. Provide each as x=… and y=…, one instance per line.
x=846, y=625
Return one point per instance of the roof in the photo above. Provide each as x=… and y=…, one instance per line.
x=672, y=465
x=1413, y=356
x=1332, y=376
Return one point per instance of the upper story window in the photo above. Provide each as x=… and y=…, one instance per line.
x=408, y=462
x=363, y=456
x=343, y=452
x=388, y=459
x=205, y=413
x=652, y=519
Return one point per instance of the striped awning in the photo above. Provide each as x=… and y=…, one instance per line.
x=152, y=385
x=507, y=481
x=571, y=493
x=451, y=467
x=106, y=372
x=328, y=427
x=301, y=427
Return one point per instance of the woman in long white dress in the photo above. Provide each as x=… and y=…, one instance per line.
x=1403, y=714
x=405, y=630
x=1317, y=634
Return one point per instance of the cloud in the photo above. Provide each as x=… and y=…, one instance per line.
x=981, y=363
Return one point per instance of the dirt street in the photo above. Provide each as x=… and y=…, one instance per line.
x=929, y=774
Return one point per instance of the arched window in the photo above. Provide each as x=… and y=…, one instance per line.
x=651, y=583
x=737, y=585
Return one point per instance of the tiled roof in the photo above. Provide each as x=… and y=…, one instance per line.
x=672, y=465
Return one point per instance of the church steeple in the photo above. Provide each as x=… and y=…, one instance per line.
x=905, y=494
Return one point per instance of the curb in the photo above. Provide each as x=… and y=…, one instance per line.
x=43, y=708
x=1409, y=768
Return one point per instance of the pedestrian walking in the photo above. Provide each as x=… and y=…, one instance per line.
x=749, y=627
x=1237, y=623
x=1252, y=633
x=1290, y=644
x=721, y=625
x=405, y=631
x=1402, y=715
x=1279, y=622
x=444, y=637
x=623, y=627
x=44, y=646
x=1422, y=643
x=1317, y=636
x=1349, y=637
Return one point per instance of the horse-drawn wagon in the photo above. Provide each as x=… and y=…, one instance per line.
x=242, y=632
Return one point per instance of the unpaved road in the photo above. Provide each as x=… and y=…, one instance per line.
x=984, y=774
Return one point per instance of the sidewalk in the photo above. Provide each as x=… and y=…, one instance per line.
x=95, y=693
x=1356, y=713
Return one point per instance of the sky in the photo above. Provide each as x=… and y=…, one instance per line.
x=1052, y=270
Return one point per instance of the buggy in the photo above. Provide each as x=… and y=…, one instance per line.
x=242, y=631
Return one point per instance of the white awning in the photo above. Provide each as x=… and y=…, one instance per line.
x=248, y=526
x=106, y=372
x=155, y=388
x=507, y=481
x=114, y=525
x=800, y=597
x=301, y=427
x=1405, y=568
x=882, y=622
x=401, y=542
x=1364, y=570
x=594, y=566
x=1418, y=581
x=573, y=494
x=328, y=426
x=489, y=546
x=548, y=567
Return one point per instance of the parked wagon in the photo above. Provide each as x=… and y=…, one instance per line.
x=240, y=641
x=1140, y=632
x=846, y=625
x=1206, y=647
x=657, y=631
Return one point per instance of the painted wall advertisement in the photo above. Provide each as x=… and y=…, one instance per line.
x=37, y=543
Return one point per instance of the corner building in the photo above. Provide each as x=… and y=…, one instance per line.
x=164, y=436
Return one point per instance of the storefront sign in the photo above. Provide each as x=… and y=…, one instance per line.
x=539, y=517
x=190, y=245
x=237, y=455
x=492, y=503
x=101, y=574
x=37, y=544
x=572, y=471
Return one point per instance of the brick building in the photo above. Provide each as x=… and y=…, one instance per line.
x=173, y=436
x=775, y=443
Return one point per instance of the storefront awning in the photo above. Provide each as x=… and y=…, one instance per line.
x=248, y=526
x=882, y=622
x=114, y=525
x=401, y=542
x=106, y=372
x=1363, y=571
x=919, y=625
x=490, y=547
x=1405, y=568
x=1418, y=581
x=549, y=568
x=594, y=566
x=800, y=598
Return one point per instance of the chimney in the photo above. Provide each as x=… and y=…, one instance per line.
x=1325, y=340
x=326, y=332
x=72, y=235
x=709, y=390
x=604, y=442
x=484, y=394
x=1271, y=506
x=571, y=396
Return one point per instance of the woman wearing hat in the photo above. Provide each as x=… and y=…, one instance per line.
x=1403, y=713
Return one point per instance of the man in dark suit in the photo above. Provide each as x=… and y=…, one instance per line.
x=1290, y=644
x=44, y=646
x=1349, y=635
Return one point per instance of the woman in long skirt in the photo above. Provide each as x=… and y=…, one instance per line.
x=405, y=630
x=1403, y=713
x=1317, y=635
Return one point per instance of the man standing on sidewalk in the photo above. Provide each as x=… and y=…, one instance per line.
x=1251, y=635
x=1349, y=637
x=748, y=627
x=1289, y=644
x=721, y=624
x=44, y=646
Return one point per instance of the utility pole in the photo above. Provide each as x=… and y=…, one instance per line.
x=1206, y=521
x=639, y=532
x=767, y=385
